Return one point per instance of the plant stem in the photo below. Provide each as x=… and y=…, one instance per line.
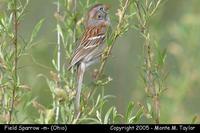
x=143, y=15
x=150, y=77
x=116, y=34
x=58, y=61
x=58, y=43
x=15, y=59
x=74, y=12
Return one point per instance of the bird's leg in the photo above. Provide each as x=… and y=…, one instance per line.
x=80, y=73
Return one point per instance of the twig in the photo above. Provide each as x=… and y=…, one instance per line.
x=143, y=15
x=156, y=7
x=116, y=34
x=75, y=19
x=15, y=59
x=58, y=42
x=58, y=61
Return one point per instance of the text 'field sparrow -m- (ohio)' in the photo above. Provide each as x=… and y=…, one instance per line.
x=91, y=45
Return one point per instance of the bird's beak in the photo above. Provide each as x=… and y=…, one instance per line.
x=107, y=7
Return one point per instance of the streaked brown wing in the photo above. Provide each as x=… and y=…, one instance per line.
x=80, y=53
x=87, y=45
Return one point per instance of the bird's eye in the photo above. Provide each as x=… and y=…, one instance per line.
x=99, y=17
x=101, y=8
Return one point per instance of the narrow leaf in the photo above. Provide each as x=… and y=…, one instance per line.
x=129, y=111
x=36, y=30
x=138, y=115
x=106, y=119
x=194, y=119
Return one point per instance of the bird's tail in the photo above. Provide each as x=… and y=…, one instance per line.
x=80, y=74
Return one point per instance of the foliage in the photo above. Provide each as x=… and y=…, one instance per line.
x=54, y=102
x=13, y=47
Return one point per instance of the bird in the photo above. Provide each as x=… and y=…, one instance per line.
x=91, y=45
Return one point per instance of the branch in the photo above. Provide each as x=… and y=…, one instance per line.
x=58, y=60
x=15, y=39
x=144, y=12
x=117, y=32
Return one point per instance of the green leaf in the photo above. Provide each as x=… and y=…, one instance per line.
x=129, y=111
x=149, y=106
x=138, y=115
x=98, y=99
x=194, y=119
x=116, y=117
x=106, y=118
x=54, y=64
x=59, y=30
x=114, y=114
x=89, y=120
x=49, y=115
x=98, y=116
x=36, y=30
x=161, y=57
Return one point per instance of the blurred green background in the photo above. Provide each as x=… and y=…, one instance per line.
x=176, y=27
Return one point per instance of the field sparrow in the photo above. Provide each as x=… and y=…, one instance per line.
x=91, y=44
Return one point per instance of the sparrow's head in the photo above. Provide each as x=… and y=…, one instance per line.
x=98, y=15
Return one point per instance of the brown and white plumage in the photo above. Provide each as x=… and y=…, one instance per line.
x=91, y=45
x=92, y=39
